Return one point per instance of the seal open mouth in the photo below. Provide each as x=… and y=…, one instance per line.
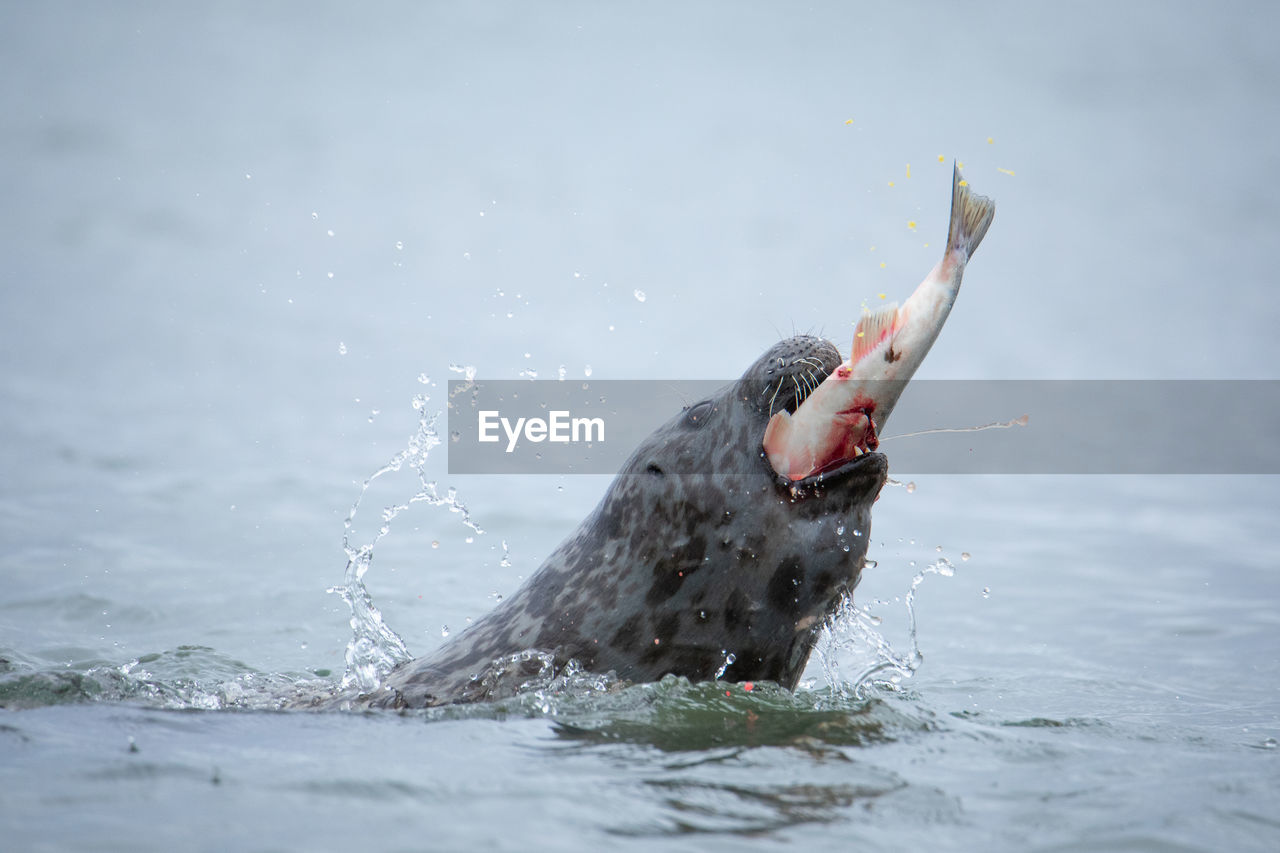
x=856, y=459
x=837, y=473
x=792, y=379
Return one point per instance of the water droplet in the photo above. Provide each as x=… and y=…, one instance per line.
x=911, y=488
x=964, y=555
x=560, y=372
x=330, y=232
x=435, y=543
x=468, y=372
x=444, y=630
x=315, y=215
x=469, y=539
x=640, y=296
x=303, y=646
x=586, y=371
x=399, y=244
x=986, y=592
x=869, y=564
x=938, y=548
x=342, y=348
x=466, y=256
x=424, y=378
x=1269, y=743
x=455, y=436
x=839, y=529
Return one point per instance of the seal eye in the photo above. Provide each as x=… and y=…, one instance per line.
x=696, y=416
x=653, y=469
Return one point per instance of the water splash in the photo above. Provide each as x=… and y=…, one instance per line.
x=535, y=678
x=375, y=648
x=183, y=678
x=852, y=633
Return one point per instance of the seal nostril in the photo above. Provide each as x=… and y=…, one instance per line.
x=652, y=468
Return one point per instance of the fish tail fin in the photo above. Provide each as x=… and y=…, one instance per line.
x=971, y=216
x=874, y=327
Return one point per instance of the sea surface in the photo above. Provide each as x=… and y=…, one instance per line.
x=239, y=243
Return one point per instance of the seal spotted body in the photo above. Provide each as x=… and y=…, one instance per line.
x=697, y=549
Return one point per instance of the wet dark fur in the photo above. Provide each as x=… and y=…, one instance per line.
x=696, y=549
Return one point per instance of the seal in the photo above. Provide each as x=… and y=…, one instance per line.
x=698, y=554
x=731, y=533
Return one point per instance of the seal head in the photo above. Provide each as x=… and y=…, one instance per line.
x=699, y=553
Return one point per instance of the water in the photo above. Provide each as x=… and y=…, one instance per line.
x=234, y=239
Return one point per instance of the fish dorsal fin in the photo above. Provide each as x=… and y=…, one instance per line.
x=874, y=328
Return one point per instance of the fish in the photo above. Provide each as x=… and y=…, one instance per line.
x=841, y=418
